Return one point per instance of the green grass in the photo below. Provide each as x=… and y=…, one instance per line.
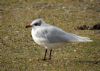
x=18, y=52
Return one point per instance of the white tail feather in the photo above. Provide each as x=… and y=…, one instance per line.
x=84, y=39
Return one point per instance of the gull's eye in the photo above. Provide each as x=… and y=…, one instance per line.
x=36, y=24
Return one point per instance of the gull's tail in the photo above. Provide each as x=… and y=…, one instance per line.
x=75, y=38
x=83, y=39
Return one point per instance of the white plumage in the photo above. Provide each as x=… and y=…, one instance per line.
x=50, y=36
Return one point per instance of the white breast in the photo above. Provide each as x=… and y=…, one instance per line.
x=38, y=38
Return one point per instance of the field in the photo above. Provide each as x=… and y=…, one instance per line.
x=18, y=52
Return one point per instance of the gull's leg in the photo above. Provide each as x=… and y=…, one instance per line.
x=45, y=54
x=50, y=54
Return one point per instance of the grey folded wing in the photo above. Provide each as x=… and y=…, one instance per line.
x=56, y=35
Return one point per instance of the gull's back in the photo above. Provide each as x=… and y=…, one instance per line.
x=47, y=35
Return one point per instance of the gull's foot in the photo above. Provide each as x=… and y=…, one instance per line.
x=44, y=59
x=49, y=58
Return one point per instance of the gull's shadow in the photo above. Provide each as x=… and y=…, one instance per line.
x=71, y=61
x=89, y=62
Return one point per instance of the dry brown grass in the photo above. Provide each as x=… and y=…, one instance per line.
x=18, y=52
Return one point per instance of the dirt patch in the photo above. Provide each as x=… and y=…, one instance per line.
x=85, y=27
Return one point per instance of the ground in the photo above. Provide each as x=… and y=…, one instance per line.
x=18, y=52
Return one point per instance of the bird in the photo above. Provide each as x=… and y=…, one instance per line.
x=49, y=36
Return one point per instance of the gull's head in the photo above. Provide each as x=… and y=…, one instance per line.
x=35, y=23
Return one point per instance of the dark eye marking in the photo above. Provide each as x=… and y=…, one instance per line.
x=37, y=23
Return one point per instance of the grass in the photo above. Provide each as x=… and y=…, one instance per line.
x=18, y=52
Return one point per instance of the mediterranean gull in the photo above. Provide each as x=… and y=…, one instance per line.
x=50, y=36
